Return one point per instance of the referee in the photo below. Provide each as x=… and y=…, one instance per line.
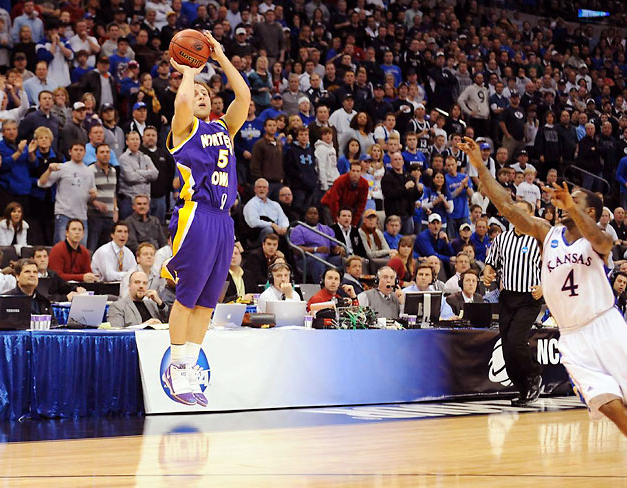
x=517, y=257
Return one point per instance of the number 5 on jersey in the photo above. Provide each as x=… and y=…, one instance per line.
x=223, y=158
x=569, y=284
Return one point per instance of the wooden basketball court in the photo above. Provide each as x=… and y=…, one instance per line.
x=509, y=449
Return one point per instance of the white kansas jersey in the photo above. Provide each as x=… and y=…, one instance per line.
x=574, y=280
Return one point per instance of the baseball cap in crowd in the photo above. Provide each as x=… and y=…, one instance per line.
x=464, y=226
x=440, y=53
x=277, y=96
x=379, y=86
x=365, y=157
x=523, y=152
x=303, y=99
x=318, y=25
x=431, y=40
x=463, y=36
x=139, y=105
x=349, y=95
x=171, y=12
x=590, y=100
x=106, y=106
x=133, y=64
x=433, y=217
x=561, y=82
x=371, y=213
x=240, y=30
x=484, y=146
x=88, y=15
x=20, y=56
x=78, y=106
x=420, y=105
x=120, y=10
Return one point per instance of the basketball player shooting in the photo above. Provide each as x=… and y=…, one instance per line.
x=593, y=333
x=201, y=228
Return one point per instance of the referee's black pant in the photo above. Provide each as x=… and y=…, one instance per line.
x=517, y=313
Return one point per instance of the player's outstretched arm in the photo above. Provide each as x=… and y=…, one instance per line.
x=601, y=241
x=184, y=102
x=237, y=112
x=526, y=224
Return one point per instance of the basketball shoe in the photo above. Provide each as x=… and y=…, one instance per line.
x=194, y=383
x=176, y=378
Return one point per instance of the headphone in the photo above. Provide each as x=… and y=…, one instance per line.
x=463, y=275
x=274, y=266
x=324, y=275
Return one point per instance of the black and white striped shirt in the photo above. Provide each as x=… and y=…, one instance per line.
x=518, y=258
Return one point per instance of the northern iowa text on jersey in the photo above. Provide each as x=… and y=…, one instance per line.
x=217, y=139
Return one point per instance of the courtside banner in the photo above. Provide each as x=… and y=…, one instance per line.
x=248, y=369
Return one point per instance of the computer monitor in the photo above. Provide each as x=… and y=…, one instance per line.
x=479, y=315
x=15, y=312
x=425, y=305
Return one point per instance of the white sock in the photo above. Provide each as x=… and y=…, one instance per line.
x=192, y=350
x=177, y=353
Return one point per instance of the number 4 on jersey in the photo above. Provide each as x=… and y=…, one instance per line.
x=569, y=284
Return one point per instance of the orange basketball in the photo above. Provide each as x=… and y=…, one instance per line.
x=190, y=47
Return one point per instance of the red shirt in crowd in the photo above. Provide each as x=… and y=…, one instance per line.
x=344, y=194
x=324, y=296
x=69, y=263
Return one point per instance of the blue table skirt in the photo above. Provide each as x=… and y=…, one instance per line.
x=15, y=377
x=69, y=374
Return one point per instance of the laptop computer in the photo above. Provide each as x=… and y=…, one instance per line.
x=478, y=315
x=287, y=313
x=228, y=315
x=15, y=312
x=87, y=310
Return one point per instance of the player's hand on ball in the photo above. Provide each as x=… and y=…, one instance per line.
x=182, y=68
x=216, y=47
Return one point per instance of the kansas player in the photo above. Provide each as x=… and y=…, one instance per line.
x=593, y=333
x=201, y=228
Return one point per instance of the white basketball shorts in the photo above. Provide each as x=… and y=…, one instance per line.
x=595, y=357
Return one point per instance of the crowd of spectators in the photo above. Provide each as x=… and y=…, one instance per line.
x=357, y=107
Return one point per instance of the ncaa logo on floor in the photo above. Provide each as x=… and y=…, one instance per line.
x=201, y=370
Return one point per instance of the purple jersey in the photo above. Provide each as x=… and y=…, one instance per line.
x=206, y=163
